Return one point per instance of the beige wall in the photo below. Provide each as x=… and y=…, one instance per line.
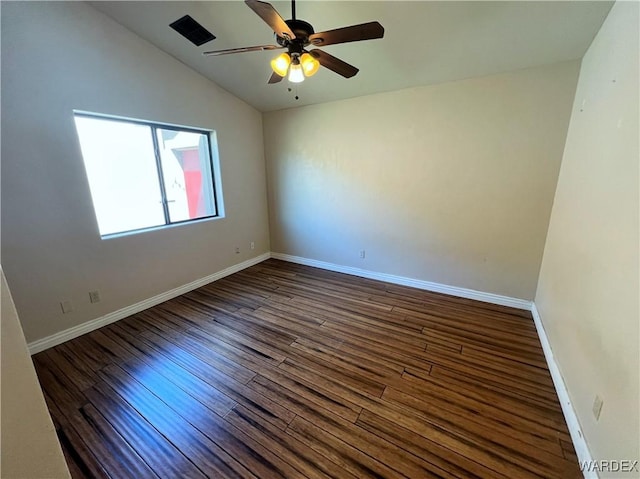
x=30, y=447
x=451, y=183
x=588, y=293
x=60, y=56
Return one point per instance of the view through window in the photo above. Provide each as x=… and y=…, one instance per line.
x=144, y=175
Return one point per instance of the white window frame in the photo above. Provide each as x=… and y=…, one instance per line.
x=212, y=149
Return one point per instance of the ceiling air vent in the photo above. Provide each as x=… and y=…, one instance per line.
x=192, y=31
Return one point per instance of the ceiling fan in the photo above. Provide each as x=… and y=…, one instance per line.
x=295, y=36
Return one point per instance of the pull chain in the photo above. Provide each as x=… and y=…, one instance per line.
x=295, y=93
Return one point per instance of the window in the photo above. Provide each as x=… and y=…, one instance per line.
x=144, y=175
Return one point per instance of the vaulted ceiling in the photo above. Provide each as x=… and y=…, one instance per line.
x=424, y=42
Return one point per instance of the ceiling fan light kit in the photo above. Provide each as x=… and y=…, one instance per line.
x=296, y=35
x=298, y=66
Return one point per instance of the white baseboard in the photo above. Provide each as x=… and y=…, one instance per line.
x=414, y=283
x=74, y=332
x=579, y=442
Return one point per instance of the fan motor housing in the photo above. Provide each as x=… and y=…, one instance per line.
x=302, y=31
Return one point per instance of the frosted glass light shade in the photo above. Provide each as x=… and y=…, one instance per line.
x=295, y=73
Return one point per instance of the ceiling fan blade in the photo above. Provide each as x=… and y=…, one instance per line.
x=334, y=64
x=229, y=51
x=275, y=78
x=271, y=17
x=354, y=33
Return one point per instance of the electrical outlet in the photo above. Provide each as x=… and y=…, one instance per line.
x=94, y=296
x=237, y=250
x=597, y=407
x=362, y=253
x=252, y=245
x=66, y=306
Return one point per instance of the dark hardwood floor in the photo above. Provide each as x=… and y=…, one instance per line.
x=283, y=370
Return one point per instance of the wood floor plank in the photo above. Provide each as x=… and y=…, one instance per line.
x=344, y=454
x=487, y=373
x=197, y=364
x=243, y=322
x=524, y=375
x=376, y=335
x=478, y=398
x=444, y=462
x=357, y=357
x=484, y=419
x=308, y=392
x=199, y=448
x=485, y=356
x=286, y=371
x=76, y=469
x=204, y=392
x=80, y=459
x=231, y=444
x=527, y=349
x=490, y=436
x=246, y=342
x=108, y=446
x=214, y=359
x=509, y=388
x=434, y=347
x=58, y=386
x=416, y=421
x=363, y=440
x=324, y=355
x=532, y=358
x=470, y=319
x=64, y=362
x=249, y=358
x=389, y=356
x=350, y=379
x=158, y=452
x=306, y=460
x=315, y=291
